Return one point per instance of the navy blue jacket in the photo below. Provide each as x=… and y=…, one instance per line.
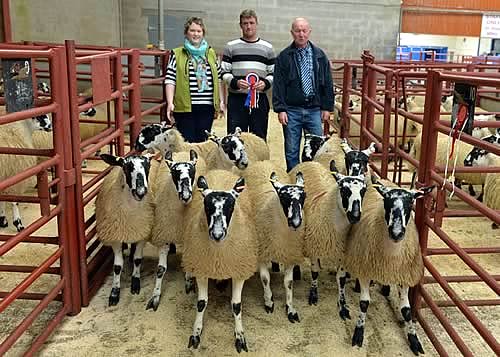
x=287, y=86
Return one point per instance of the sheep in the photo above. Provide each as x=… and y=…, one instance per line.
x=477, y=156
x=217, y=152
x=255, y=146
x=278, y=215
x=18, y=135
x=172, y=191
x=443, y=150
x=124, y=212
x=384, y=247
x=492, y=189
x=330, y=210
x=220, y=243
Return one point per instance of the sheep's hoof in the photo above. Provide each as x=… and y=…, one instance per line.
x=472, y=192
x=385, y=290
x=136, y=285
x=480, y=198
x=415, y=345
x=3, y=222
x=172, y=249
x=357, y=287
x=153, y=303
x=194, y=341
x=114, y=297
x=275, y=267
x=221, y=285
x=313, y=296
x=344, y=313
x=18, y=224
x=189, y=286
x=494, y=226
x=240, y=343
x=269, y=309
x=357, y=337
x=293, y=316
x=296, y=273
x=347, y=275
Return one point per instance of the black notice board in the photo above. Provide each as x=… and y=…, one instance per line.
x=464, y=103
x=18, y=84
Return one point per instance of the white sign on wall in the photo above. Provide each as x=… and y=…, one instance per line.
x=490, y=27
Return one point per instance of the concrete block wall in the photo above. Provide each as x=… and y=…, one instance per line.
x=94, y=22
x=342, y=28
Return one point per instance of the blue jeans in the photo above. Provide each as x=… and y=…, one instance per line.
x=299, y=119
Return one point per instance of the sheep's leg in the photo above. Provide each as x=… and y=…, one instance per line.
x=240, y=342
x=265, y=279
x=194, y=340
x=413, y=178
x=288, y=281
x=472, y=192
x=364, y=301
x=3, y=219
x=313, y=291
x=17, y=217
x=342, y=304
x=480, y=197
x=160, y=273
x=189, y=283
x=114, y=297
x=136, y=273
x=415, y=345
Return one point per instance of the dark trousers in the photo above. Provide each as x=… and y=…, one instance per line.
x=239, y=115
x=192, y=125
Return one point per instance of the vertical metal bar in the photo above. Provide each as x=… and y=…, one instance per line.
x=66, y=187
x=134, y=77
x=345, y=120
x=77, y=162
x=118, y=102
x=387, y=125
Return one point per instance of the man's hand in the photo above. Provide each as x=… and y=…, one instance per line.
x=260, y=86
x=243, y=84
x=325, y=115
x=222, y=110
x=170, y=113
x=283, y=118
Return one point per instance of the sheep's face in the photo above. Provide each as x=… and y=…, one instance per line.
x=356, y=161
x=43, y=87
x=42, y=122
x=398, y=205
x=135, y=172
x=312, y=143
x=91, y=112
x=351, y=192
x=219, y=207
x=154, y=135
x=233, y=148
x=292, y=199
x=182, y=174
x=480, y=157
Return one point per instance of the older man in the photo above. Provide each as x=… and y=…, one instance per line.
x=302, y=89
x=248, y=54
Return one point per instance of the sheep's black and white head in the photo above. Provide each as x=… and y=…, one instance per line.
x=356, y=161
x=43, y=87
x=312, y=144
x=219, y=207
x=480, y=157
x=398, y=203
x=233, y=148
x=351, y=192
x=183, y=175
x=135, y=172
x=42, y=122
x=153, y=136
x=292, y=199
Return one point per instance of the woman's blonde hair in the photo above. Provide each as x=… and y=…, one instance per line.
x=194, y=20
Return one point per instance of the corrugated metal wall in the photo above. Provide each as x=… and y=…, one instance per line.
x=484, y=5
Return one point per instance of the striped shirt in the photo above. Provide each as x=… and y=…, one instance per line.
x=205, y=97
x=241, y=57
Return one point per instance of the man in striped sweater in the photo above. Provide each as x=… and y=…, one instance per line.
x=242, y=56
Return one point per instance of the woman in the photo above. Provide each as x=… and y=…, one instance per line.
x=192, y=84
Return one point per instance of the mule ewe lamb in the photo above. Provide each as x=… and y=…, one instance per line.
x=384, y=247
x=220, y=243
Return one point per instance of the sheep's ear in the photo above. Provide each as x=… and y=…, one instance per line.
x=422, y=192
x=381, y=189
x=237, y=131
x=193, y=156
x=112, y=160
x=239, y=186
x=202, y=184
x=370, y=150
x=149, y=155
x=168, y=159
x=274, y=181
x=299, y=179
x=333, y=166
x=212, y=136
x=345, y=146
